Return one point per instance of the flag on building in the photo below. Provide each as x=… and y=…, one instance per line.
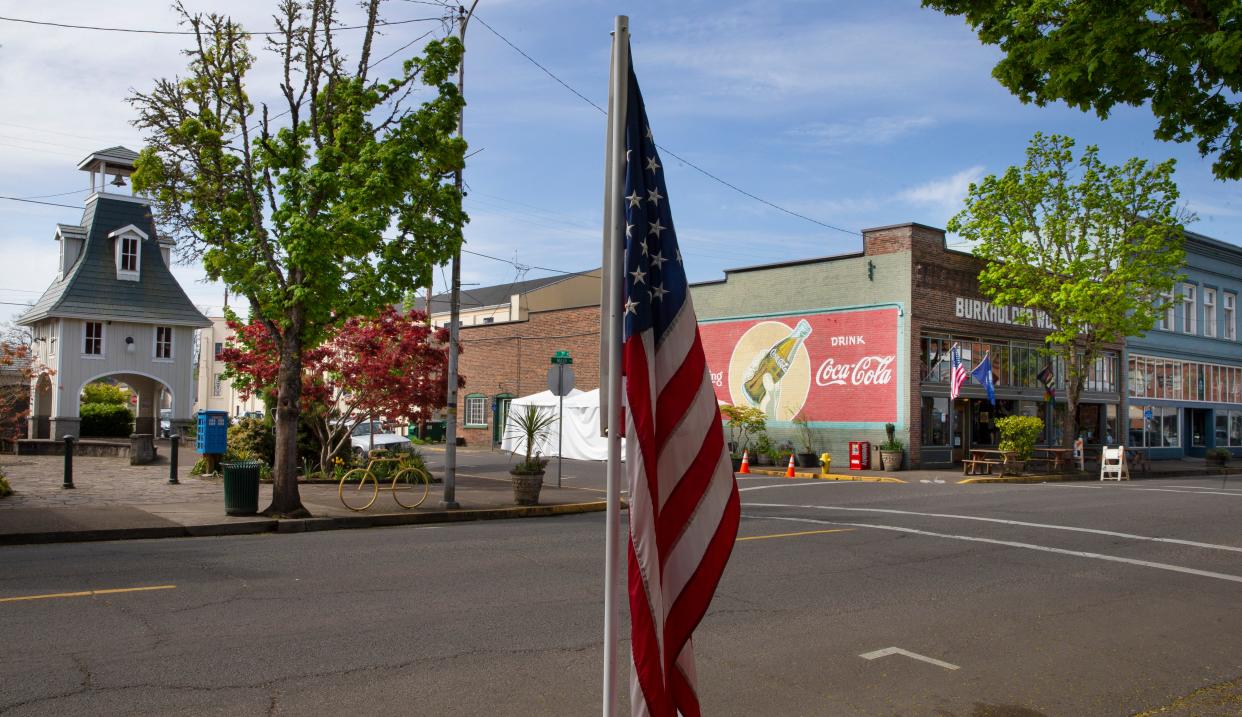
x=983, y=374
x=1048, y=379
x=958, y=375
x=684, y=506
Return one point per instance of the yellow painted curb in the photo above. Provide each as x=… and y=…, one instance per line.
x=1050, y=478
x=828, y=476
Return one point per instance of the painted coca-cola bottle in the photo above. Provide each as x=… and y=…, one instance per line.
x=774, y=362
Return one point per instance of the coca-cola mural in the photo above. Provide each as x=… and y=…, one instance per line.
x=833, y=367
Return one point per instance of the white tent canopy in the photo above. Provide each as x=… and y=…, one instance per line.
x=581, y=439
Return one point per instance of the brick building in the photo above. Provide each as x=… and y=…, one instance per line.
x=876, y=329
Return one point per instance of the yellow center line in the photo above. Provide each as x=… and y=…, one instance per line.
x=87, y=593
x=794, y=535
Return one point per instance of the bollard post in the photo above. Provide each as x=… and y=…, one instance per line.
x=174, y=439
x=68, y=463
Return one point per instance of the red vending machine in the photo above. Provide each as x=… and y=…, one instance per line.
x=860, y=455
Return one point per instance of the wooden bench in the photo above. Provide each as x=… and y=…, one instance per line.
x=978, y=467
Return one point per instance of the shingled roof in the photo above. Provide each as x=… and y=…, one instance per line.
x=90, y=289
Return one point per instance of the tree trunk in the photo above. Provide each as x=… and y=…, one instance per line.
x=285, y=499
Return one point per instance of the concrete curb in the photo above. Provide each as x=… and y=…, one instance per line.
x=1088, y=476
x=827, y=476
x=303, y=525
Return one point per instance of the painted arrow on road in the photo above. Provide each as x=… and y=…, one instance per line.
x=912, y=655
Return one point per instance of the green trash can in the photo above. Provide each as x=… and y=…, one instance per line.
x=241, y=487
x=435, y=432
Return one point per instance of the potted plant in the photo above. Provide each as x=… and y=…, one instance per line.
x=744, y=422
x=806, y=458
x=761, y=450
x=892, y=451
x=533, y=427
x=782, y=453
x=1217, y=456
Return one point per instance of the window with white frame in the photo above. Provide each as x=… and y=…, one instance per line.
x=129, y=253
x=93, y=343
x=1154, y=427
x=1209, y=312
x=1164, y=320
x=476, y=410
x=164, y=343
x=1190, y=322
x=1229, y=428
x=1229, y=312
x=217, y=387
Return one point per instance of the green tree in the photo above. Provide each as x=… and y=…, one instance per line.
x=1096, y=247
x=327, y=209
x=1182, y=59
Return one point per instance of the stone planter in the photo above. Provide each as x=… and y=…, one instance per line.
x=763, y=459
x=891, y=460
x=806, y=460
x=526, y=487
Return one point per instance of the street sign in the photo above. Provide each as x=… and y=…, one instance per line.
x=560, y=379
x=562, y=357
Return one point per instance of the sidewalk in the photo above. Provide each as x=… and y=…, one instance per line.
x=112, y=500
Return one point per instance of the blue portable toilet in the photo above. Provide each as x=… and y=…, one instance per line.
x=213, y=432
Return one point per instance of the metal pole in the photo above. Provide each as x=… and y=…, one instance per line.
x=450, y=424
x=614, y=253
x=68, y=463
x=173, y=440
x=560, y=423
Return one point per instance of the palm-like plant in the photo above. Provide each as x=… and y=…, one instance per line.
x=532, y=426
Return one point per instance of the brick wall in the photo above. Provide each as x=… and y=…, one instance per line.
x=513, y=358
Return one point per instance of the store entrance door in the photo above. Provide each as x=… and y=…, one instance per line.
x=500, y=417
x=1194, y=441
x=961, y=429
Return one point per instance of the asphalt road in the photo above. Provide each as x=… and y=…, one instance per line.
x=1059, y=603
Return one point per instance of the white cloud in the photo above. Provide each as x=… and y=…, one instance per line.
x=946, y=192
x=869, y=131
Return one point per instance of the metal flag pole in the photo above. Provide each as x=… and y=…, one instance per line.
x=610, y=337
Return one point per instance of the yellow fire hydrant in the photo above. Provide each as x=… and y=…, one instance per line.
x=825, y=462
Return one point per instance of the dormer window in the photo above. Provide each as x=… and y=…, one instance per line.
x=128, y=252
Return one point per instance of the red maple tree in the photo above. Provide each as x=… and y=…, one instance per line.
x=391, y=365
x=20, y=368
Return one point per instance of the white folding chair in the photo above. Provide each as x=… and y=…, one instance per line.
x=1113, y=464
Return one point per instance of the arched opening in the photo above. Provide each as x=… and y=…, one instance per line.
x=41, y=408
x=119, y=404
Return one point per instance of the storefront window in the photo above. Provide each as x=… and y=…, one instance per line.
x=1089, y=422
x=1153, y=427
x=1110, y=424
x=983, y=417
x=935, y=421
x=1229, y=428
x=1235, y=428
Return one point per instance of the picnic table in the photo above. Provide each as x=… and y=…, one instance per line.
x=983, y=460
x=1056, y=459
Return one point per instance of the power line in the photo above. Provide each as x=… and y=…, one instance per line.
x=668, y=151
x=191, y=32
x=594, y=273
x=33, y=201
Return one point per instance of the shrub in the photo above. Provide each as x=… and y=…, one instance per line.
x=744, y=422
x=1019, y=433
x=255, y=437
x=1218, y=454
x=99, y=392
x=5, y=489
x=107, y=420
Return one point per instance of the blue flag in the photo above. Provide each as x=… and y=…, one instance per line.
x=983, y=374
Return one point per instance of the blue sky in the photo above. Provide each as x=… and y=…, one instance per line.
x=855, y=114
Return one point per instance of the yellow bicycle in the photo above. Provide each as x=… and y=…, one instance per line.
x=410, y=485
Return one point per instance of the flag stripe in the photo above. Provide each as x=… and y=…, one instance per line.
x=646, y=645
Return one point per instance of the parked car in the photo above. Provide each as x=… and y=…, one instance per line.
x=165, y=422
x=373, y=431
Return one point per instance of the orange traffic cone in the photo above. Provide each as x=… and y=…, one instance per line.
x=789, y=472
x=745, y=462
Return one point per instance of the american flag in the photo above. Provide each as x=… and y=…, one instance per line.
x=958, y=377
x=684, y=506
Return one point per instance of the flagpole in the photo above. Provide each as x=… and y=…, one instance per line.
x=610, y=335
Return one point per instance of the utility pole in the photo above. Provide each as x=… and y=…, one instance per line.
x=450, y=427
